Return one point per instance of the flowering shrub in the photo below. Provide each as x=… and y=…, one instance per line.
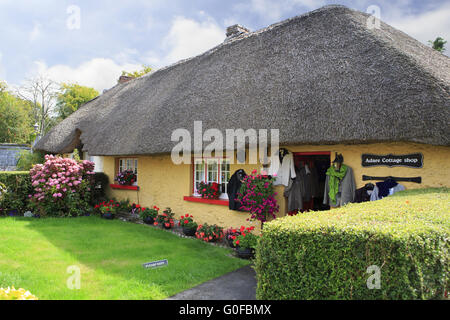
x=246, y=239
x=187, y=221
x=209, y=190
x=257, y=196
x=209, y=233
x=149, y=212
x=16, y=294
x=108, y=207
x=126, y=178
x=61, y=187
x=230, y=234
x=165, y=219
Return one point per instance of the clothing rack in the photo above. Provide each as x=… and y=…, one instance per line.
x=397, y=179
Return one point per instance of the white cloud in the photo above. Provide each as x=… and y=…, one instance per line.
x=424, y=26
x=189, y=38
x=98, y=73
x=273, y=10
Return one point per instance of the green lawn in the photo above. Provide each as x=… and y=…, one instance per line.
x=35, y=255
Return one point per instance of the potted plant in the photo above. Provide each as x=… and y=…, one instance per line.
x=148, y=215
x=209, y=233
x=126, y=178
x=246, y=243
x=230, y=235
x=188, y=225
x=165, y=219
x=209, y=190
x=108, y=209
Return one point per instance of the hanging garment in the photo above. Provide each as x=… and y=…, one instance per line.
x=283, y=172
x=307, y=182
x=383, y=187
x=363, y=194
x=376, y=192
x=233, y=187
x=345, y=192
x=294, y=192
x=315, y=190
x=334, y=179
x=396, y=189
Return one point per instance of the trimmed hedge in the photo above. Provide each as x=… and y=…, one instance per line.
x=326, y=255
x=18, y=184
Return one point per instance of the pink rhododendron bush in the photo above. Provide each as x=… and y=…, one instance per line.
x=61, y=187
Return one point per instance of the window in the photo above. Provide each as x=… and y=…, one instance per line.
x=212, y=170
x=126, y=164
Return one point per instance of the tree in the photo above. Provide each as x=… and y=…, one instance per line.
x=41, y=92
x=139, y=73
x=71, y=97
x=438, y=44
x=16, y=122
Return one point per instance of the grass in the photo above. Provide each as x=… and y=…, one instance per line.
x=35, y=255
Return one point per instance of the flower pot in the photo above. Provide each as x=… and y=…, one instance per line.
x=108, y=216
x=190, y=232
x=167, y=228
x=148, y=220
x=245, y=253
x=231, y=243
x=13, y=212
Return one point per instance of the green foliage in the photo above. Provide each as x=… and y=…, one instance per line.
x=438, y=44
x=148, y=213
x=246, y=240
x=27, y=159
x=18, y=185
x=325, y=255
x=138, y=73
x=16, y=123
x=72, y=97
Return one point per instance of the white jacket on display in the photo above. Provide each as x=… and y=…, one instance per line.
x=283, y=172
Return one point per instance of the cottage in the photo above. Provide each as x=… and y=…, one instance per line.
x=325, y=80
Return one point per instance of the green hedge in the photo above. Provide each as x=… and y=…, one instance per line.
x=325, y=255
x=18, y=184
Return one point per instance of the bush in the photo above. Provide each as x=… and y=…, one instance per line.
x=149, y=213
x=28, y=159
x=187, y=221
x=18, y=186
x=165, y=219
x=209, y=233
x=61, y=187
x=327, y=255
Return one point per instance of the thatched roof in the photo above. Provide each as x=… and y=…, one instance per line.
x=321, y=78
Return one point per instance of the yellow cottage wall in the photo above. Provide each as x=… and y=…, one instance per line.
x=164, y=184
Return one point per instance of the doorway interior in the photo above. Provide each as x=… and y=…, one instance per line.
x=319, y=161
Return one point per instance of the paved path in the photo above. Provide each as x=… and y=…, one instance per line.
x=237, y=285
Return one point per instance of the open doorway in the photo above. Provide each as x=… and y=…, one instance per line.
x=317, y=164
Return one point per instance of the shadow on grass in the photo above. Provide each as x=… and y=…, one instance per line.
x=111, y=254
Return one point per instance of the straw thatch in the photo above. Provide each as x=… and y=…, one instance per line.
x=321, y=78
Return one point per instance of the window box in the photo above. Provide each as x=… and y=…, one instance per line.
x=209, y=201
x=120, y=187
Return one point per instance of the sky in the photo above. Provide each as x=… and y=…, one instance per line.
x=92, y=42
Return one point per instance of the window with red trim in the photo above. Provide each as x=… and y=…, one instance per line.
x=212, y=170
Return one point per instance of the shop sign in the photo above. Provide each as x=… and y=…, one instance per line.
x=414, y=160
